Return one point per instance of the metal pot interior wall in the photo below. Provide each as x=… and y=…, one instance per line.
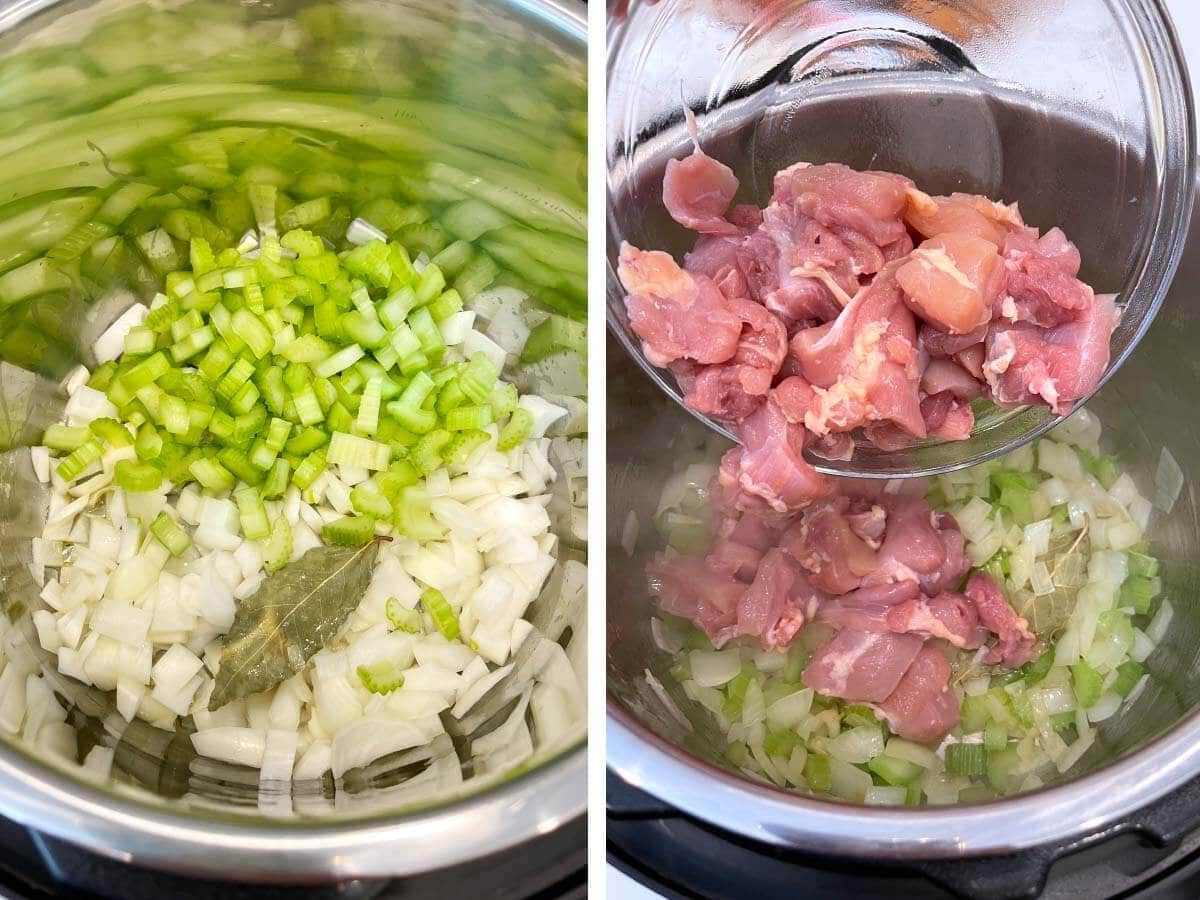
x=470, y=52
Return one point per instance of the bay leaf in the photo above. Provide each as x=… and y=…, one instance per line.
x=292, y=615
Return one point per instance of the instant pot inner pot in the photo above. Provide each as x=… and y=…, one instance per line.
x=471, y=57
x=1064, y=171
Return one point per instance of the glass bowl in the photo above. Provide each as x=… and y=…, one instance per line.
x=1004, y=99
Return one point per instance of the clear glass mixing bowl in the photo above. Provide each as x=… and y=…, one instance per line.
x=997, y=98
x=349, y=98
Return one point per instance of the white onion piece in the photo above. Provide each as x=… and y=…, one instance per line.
x=360, y=231
x=314, y=762
x=242, y=746
x=111, y=342
x=713, y=668
x=1168, y=481
x=367, y=739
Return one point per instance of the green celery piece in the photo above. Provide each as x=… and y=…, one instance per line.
x=556, y=334
x=894, y=771
x=1087, y=683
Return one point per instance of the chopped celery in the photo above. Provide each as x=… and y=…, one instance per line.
x=966, y=759
x=380, y=677
x=278, y=432
x=212, y=475
x=248, y=425
x=261, y=456
x=780, y=743
x=350, y=531
x=173, y=414
x=306, y=441
x=239, y=464
x=478, y=378
x=308, y=407
x=430, y=285
x=352, y=450
x=469, y=418
x=139, y=341
x=1141, y=565
x=308, y=470
x=894, y=771
x=1002, y=766
x=462, y=445
x=339, y=360
x=307, y=349
x=995, y=736
x=371, y=262
x=423, y=327
x=401, y=618
x=1035, y=670
x=80, y=459
x=1018, y=501
x=148, y=444
x=1139, y=592
x=136, y=477
x=503, y=400
x=516, y=431
x=817, y=773
x=252, y=514
x=975, y=713
x=427, y=454
x=446, y=305
x=251, y=329
x=556, y=334
x=1102, y=467
x=367, y=421
x=451, y=259
x=169, y=534
x=370, y=503
x=444, y=617
x=278, y=548
x=215, y=362
x=413, y=519
x=65, y=438
x=1129, y=673
x=1087, y=683
x=277, y=479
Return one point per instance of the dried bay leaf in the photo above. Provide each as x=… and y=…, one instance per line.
x=292, y=615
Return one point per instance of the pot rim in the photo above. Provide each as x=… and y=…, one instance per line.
x=775, y=816
x=141, y=833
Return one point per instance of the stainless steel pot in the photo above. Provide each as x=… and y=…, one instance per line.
x=166, y=808
x=1063, y=170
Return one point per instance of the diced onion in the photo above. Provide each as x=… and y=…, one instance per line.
x=360, y=231
x=111, y=342
x=241, y=746
x=713, y=668
x=1168, y=481
x=1157, y=630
